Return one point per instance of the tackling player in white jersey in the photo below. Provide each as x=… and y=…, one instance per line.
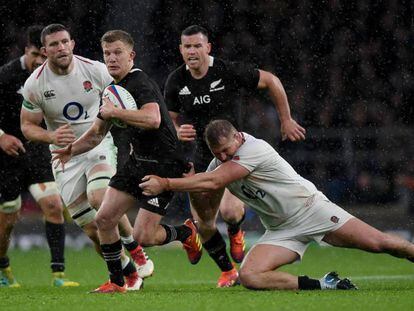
x=65, y=91
x=290, y=207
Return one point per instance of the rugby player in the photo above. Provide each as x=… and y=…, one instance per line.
x=25, y=165
x=65, y=91
x=154, y=150
x=206, y=88
x=290, y=207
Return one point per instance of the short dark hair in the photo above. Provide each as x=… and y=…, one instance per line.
x=33, y=36
x=216, y=130
x=52, y=28
x=193, y=30
x=115, y=35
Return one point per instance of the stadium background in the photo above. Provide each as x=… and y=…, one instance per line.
x=347, y=67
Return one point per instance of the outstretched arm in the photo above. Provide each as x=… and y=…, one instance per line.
x=289, y=127
x=147, y=117
x=208, y=181
x=89, y=140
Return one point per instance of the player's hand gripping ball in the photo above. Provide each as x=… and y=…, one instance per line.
x=121, y=99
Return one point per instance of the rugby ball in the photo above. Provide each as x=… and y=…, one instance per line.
x=121, y=98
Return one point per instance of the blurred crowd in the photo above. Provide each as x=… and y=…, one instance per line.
x=347, y=67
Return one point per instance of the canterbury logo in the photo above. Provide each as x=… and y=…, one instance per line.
x=153, y=202
x=184, y=91
x=49, y=94
x=214, y=86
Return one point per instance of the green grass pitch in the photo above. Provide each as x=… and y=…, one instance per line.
x=385, y=283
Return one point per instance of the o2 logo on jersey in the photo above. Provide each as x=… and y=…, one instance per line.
x=252, y=193
x=204, y=99
x=74, y=111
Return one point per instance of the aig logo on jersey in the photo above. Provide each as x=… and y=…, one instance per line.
x=49, y=94
x=203, y=99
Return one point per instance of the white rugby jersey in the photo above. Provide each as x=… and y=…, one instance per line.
x=273, y=188
x=73, y=98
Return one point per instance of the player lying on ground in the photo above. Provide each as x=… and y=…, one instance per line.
x=290, y=207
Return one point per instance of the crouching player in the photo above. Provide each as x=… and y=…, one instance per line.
x=290, y=207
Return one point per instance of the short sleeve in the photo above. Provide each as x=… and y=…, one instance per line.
x=213, y=165
x=32, y=98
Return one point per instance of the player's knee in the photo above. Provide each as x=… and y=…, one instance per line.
x=82, y=214
x=105, y=221
x=53, y=210
x=248, y=278
x=230, y=214
x=95, y=201
x=380, y=243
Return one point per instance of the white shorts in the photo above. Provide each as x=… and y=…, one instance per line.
x=322, y=217
x=73, y=182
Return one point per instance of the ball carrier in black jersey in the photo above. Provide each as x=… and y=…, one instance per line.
x=25, y=165
x=206, y=88
x=155, y=150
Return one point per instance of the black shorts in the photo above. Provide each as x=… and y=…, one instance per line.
x=17, y=174
x=128, y=177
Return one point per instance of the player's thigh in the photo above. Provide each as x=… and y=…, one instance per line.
x=266, y=257
x=356, y=234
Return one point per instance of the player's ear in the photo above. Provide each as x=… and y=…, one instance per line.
x=72, y=43
x=132, y=55
x=208, y=48
x=43, y=51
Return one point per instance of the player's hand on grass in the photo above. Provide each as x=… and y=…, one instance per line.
x=63, y=135
x=107, y=110
x=62, y=156
x=291, y=130
x=186, y=132
x=11, y=145
x=153, y=185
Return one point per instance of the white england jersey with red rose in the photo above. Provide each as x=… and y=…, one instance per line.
x=73, y=98
x=279, y=195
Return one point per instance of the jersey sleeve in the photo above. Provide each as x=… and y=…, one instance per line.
x=245, y=75
x=145, y=91
x=171, y=93
x=213, y=165
x=32, y=97
x=252, y=154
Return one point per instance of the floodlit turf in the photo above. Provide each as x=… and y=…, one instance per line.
x=385, y=283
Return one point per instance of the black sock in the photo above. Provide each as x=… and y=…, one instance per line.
x=176, y=233
x=4, y=262
x=129, y=268
x=55, y=235
x=234, y=228
x=131, y=246
x=216, y=248
x=112, y=256
x=308, y=283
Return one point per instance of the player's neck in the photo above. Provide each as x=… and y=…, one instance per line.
x=61, y=71
x=200, y=72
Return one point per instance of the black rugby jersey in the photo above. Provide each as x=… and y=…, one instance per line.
x=215, y=96
x=159, y=144
x=12, y=78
